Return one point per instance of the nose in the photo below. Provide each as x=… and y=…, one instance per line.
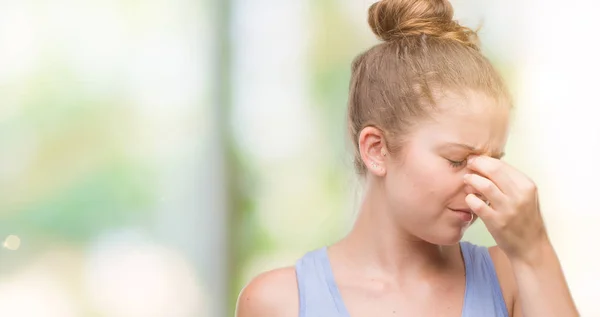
x=470, y=190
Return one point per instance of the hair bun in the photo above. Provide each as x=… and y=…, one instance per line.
x=395, y=19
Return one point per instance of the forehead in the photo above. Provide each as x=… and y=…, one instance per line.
x=472, y=118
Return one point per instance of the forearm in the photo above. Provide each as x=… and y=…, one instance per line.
x=543, y=289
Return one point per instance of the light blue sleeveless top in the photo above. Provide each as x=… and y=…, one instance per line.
x=320, y=297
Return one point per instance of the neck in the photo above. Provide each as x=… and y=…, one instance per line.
x=377, y=243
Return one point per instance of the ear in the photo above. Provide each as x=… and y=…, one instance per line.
x=373, y=150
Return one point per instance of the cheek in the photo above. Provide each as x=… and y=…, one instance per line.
x=434, y=180
x=423, y=181
x=408, y=182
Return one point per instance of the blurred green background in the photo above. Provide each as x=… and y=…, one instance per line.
x=156, y=155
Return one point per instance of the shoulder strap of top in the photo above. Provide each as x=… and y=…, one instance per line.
x=483, y=293
x=317, y=291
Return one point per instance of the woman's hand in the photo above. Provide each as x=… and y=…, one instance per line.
x=513, y=215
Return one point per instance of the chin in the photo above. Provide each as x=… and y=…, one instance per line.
x=451, y=236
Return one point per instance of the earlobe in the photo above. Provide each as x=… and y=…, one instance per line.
x=372, y=150
x=376, y=169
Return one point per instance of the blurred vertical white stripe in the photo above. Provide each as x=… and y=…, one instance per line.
x=209, y=223
x=560, y=100
x=270, y=114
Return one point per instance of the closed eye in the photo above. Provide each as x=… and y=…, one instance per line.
x=457, y=164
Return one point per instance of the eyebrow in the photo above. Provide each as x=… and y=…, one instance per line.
x=474, y=149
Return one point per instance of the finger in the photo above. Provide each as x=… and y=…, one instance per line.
x=495, y=170
x=487, y=188
x=479, y=207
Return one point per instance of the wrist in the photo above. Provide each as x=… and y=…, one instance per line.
x=538, y=255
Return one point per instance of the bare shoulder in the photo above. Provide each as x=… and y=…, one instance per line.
x=273, y=293
x=506, y=277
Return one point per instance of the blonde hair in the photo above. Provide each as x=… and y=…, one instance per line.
x=424, y=51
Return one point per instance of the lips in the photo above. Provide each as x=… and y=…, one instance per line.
x=464, y=214
x=467, y=210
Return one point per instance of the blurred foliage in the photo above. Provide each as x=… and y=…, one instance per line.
x=77, y=177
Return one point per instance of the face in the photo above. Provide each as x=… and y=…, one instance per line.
x=424, y=183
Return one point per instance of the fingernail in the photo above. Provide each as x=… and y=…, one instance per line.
x=466, y=177
x=471, y=159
